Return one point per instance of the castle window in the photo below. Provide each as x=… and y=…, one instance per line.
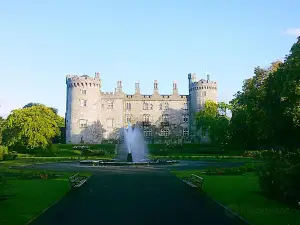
x=160, y=106
x=146, y=117
x=165, y=132
x=185, y=118
x=165, y=118
x=110, y=105
x=185, y=132
x=83, y=102
x=185, y=106
x=147, y=132
x=204, y=93
x=145, y=106
x=166, y=106
x=151, y=106
x=128, y=119
x=82, y=123
x=83, y=92
x=128, y=106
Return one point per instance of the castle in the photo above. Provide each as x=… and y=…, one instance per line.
x=93, y=115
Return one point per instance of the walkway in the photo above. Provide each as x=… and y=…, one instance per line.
x=135, y=198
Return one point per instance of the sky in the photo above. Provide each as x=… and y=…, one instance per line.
x=137, y=40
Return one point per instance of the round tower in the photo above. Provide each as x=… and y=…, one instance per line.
x=199, y=92
x=83, y=108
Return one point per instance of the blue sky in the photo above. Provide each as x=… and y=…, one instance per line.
x=137, y=40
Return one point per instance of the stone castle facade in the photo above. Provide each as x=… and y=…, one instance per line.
x=93, y=115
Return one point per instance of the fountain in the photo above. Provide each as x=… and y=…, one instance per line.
x=133, y=151
x=135, y=144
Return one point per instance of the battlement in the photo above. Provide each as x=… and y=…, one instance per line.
x=83, y=81
x=108, y=94
x=203, y=84
x=156, y=97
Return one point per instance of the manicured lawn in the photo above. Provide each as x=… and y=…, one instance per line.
x=242, y=195
x=30, y=196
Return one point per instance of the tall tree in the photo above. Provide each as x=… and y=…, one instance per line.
x=213, y=121
x=2, y=121
x=267, y=110
x=31, y=127
x=37, y=104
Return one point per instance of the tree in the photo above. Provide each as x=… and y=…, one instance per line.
x=31, y=127
x=249, y=119
x=266, y=113
x=2, y=122
x=37, y=104
x=93, y=134
x=212, y=120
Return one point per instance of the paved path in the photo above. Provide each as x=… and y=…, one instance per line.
x=139, y=197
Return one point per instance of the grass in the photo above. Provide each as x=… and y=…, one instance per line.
x=242, y=195
x=31, y=196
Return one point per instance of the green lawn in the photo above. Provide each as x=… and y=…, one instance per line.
x=31, y=196
x=242, y=195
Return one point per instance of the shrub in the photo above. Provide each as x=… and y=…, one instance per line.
x=100, y=152
x=226, y=171
x=80, y=147
x=3, y=151
x=279, y=176
x=258, y=154
x=10, y=156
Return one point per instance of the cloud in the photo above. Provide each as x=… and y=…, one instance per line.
x=292, y=32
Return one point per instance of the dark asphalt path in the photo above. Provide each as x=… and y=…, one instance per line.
x=136, y=197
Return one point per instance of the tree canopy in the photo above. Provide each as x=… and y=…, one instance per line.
x=37, y=104
x=266, y=113
x=31, y=127
x=212, y=120
x=2, y=121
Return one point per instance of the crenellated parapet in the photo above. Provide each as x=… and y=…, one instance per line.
x=202, y=84
x=111, y=94
x=86, y=81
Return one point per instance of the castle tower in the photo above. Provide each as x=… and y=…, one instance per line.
x=199, y=92
x=82, y=108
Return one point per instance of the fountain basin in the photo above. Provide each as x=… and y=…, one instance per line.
x=113, y=163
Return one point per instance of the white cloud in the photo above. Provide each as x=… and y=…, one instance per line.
x=292, y=32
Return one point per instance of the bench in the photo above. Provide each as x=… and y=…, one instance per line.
x=77, y=180
x=193, y=181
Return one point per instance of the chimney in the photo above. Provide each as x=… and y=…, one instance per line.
x=97, y=75
x=119, y=86
x=175, y=90
x=137, y=87
x=194, y=78
x=207, y=77
x=155, y=87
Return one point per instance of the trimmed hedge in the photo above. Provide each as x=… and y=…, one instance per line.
x=91, y=146
x=59, y=150
x=163, y=149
